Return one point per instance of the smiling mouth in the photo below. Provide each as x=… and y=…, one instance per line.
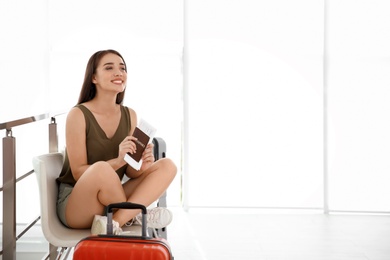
x=117, y=81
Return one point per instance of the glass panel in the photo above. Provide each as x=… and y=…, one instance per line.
x=359, y=143
x=255, y=103
x=24, y=59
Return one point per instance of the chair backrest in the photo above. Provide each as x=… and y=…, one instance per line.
x=47, y=168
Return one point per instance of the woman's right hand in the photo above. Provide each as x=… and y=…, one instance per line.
x=127, y=146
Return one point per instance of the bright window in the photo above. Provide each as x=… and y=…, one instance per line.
x=255, y=92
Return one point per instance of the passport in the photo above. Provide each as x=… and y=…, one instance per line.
x=144, y=133
x=141, y=143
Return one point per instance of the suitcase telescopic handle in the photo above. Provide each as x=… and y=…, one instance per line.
x=125, y=205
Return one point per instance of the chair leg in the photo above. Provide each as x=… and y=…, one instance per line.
x=52, y=252
x=162, y=202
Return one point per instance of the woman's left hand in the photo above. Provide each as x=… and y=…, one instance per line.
x=147, y=157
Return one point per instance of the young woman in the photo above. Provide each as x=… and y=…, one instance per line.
x=98, y=135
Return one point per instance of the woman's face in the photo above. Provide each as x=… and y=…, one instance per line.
x=110, y=74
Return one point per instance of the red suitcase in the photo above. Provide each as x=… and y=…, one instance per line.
x=123, y=247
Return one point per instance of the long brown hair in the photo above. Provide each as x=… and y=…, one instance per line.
x=88, y=89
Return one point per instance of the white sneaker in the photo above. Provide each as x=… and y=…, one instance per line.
x=156, y=218
x=99, y=226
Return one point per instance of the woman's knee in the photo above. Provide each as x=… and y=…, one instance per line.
x=168, y=167
x=101, y=165
x=101, y=171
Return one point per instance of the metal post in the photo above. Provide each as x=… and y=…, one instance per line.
x=53, y=147
x=53, y=136
x=9, y=196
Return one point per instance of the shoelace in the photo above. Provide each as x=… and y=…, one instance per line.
x=130, y=222
x=153, y=217
x=116, y=229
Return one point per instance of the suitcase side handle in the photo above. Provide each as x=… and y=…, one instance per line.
x=125, y=205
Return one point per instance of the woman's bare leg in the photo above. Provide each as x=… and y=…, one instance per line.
x=98, y=186
x=147, y=188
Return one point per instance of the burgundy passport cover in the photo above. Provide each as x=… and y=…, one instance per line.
x=141, y=143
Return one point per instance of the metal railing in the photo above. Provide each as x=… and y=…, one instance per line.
x=9, y=180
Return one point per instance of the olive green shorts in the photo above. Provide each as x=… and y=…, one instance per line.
x=64, y=190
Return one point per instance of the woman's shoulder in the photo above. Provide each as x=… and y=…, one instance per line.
x=129, y=110
x=75, y=113
x=76, y=110
x=132, y=115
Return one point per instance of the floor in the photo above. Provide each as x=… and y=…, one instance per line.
x=210, y=234
x=216, y=235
